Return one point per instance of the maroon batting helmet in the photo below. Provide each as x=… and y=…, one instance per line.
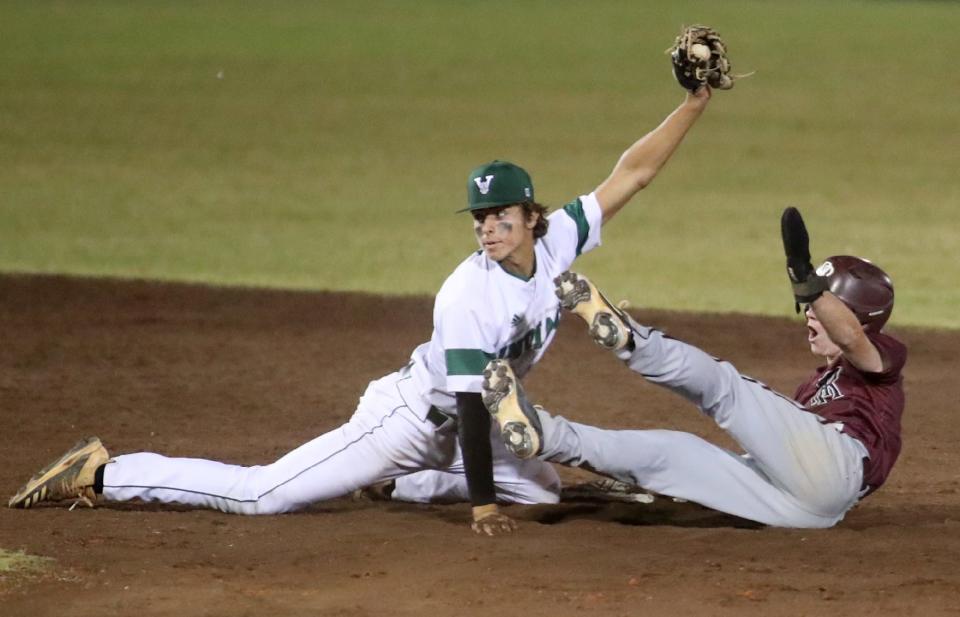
x=863, y=287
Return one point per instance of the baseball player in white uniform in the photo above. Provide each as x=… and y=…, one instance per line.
x=498, y=303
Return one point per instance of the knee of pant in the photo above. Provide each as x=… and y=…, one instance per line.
x=722, y=393
x=271, y=504
x=265, y=507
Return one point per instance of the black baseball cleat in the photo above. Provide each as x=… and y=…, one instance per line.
x=504, y=398
x=609, y=325
x=606, y=490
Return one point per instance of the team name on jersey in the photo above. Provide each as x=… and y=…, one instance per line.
x=828, y=390
x=531, y=340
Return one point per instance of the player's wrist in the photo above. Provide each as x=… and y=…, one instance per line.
x=698, y=99
x=485, y=510
x=695, y=104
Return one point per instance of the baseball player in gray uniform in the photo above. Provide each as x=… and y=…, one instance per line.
x=808, y=459
x=498, y=303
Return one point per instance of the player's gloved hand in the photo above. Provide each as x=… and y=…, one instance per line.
x=699, y=58
x=807, y=284
x=489, y=521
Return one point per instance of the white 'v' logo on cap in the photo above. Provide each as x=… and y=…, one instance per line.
x=483, y=184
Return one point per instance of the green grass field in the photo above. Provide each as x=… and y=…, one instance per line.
x=20, y=563
x=326, y=144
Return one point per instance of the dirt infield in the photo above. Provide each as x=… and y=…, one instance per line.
x=244, y=376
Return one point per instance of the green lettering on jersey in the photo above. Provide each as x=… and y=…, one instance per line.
x=514, y=350
x=553, y=324
x=466, y=361
x=574, y=210
x=531, y=339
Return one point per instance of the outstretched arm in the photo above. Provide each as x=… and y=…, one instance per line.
x=641, y=162
x=474, y=433
x=810, y=288
x=843, y=328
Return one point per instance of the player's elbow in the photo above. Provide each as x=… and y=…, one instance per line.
x=620, y=187
x=642, y=178
x=632, y=176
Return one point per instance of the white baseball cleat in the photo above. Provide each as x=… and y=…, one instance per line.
x=504, y=398
x=69, y=477
x=609, y=326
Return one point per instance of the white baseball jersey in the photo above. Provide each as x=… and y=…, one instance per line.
x=483, y=312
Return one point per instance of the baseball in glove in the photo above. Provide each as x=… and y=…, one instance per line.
x=699, y=57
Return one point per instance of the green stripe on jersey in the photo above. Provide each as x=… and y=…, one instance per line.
x=467, y=361
x=574, y=210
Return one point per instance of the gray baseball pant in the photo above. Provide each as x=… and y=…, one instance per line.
x=797, y=471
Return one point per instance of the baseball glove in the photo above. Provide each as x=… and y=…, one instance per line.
x=699, y=57
x=807, y=284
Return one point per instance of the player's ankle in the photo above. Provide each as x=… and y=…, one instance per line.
x=98, y=480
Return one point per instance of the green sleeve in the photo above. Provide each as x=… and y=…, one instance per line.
x=467, y=361
x=574, y=210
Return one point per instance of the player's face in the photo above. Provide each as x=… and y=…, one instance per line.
x=503, y=232
x=820, y=342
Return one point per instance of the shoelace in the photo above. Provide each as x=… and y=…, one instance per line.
x=81, y=498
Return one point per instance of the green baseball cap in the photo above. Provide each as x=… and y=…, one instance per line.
x=498, y=183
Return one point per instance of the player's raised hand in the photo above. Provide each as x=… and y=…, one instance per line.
x=807, y=284
x=493, y=523
x=699, y=58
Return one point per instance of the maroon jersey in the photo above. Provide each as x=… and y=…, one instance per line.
x=868, y=405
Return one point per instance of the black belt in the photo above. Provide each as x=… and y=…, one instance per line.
x=437, y=417
x=866, y=467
